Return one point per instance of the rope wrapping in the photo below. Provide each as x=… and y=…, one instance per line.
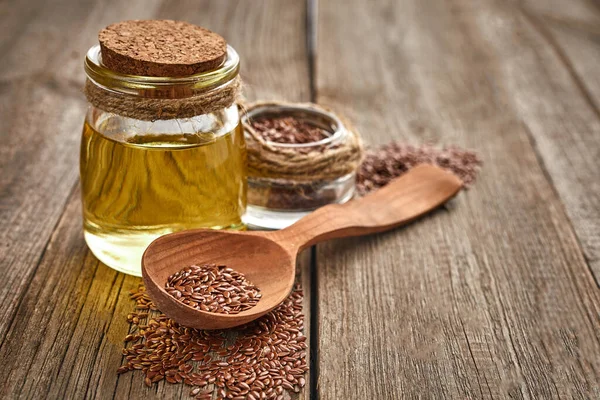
x=152, y=109
x=267, y=160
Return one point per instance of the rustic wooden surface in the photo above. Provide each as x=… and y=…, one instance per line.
x=62, y=312
x=494, y=297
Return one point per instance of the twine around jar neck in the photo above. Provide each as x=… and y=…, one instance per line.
x=269, y=160
x=151, y=109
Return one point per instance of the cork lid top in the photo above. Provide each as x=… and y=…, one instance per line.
x=163, y=48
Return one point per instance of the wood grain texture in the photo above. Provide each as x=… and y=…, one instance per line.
x=40, y=122
x=491, y=298
x=269, y=36
x=564, y=120
x=63, y=312
x=41, y=111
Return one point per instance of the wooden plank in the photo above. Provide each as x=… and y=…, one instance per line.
x=491, y=298
x=69, y=310
x=41, y=116
x=568, y=140
x=269, y=36
x=47, y=274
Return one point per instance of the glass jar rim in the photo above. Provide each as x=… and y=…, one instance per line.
x=336, y=127
x=97, y=72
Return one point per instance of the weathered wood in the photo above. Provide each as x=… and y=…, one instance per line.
x=63, y=312
x=492, y=298
x=40, y=124
x=69, y=321
x=41, y=117
x=564, y=120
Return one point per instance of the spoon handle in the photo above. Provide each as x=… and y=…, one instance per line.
x=406, y=198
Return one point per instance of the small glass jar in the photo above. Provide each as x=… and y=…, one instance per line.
x=277, y=202
x=141, y=177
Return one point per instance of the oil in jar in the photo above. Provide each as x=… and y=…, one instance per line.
x=138, y=189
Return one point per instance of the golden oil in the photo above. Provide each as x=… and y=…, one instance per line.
x=139, y=188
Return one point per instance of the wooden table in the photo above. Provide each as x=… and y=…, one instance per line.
x=495, y=297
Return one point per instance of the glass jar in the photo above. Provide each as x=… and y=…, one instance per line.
x=142, y=178
x=277, y=202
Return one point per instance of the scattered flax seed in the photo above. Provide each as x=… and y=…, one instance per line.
x=213, y=288
x=259, y=360
x=383, y=164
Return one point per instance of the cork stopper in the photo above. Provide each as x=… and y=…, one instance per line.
x=160, y=48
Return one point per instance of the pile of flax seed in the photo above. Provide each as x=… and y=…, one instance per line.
x=260, y=360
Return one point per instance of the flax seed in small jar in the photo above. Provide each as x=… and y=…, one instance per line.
x=301, y=157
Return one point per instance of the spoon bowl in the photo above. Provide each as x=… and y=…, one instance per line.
x=268, y=259
x=241, y=251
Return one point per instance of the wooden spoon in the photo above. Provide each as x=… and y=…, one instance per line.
x=268, y=259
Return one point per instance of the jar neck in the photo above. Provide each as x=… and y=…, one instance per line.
x=161, y=87
x=155, y=98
